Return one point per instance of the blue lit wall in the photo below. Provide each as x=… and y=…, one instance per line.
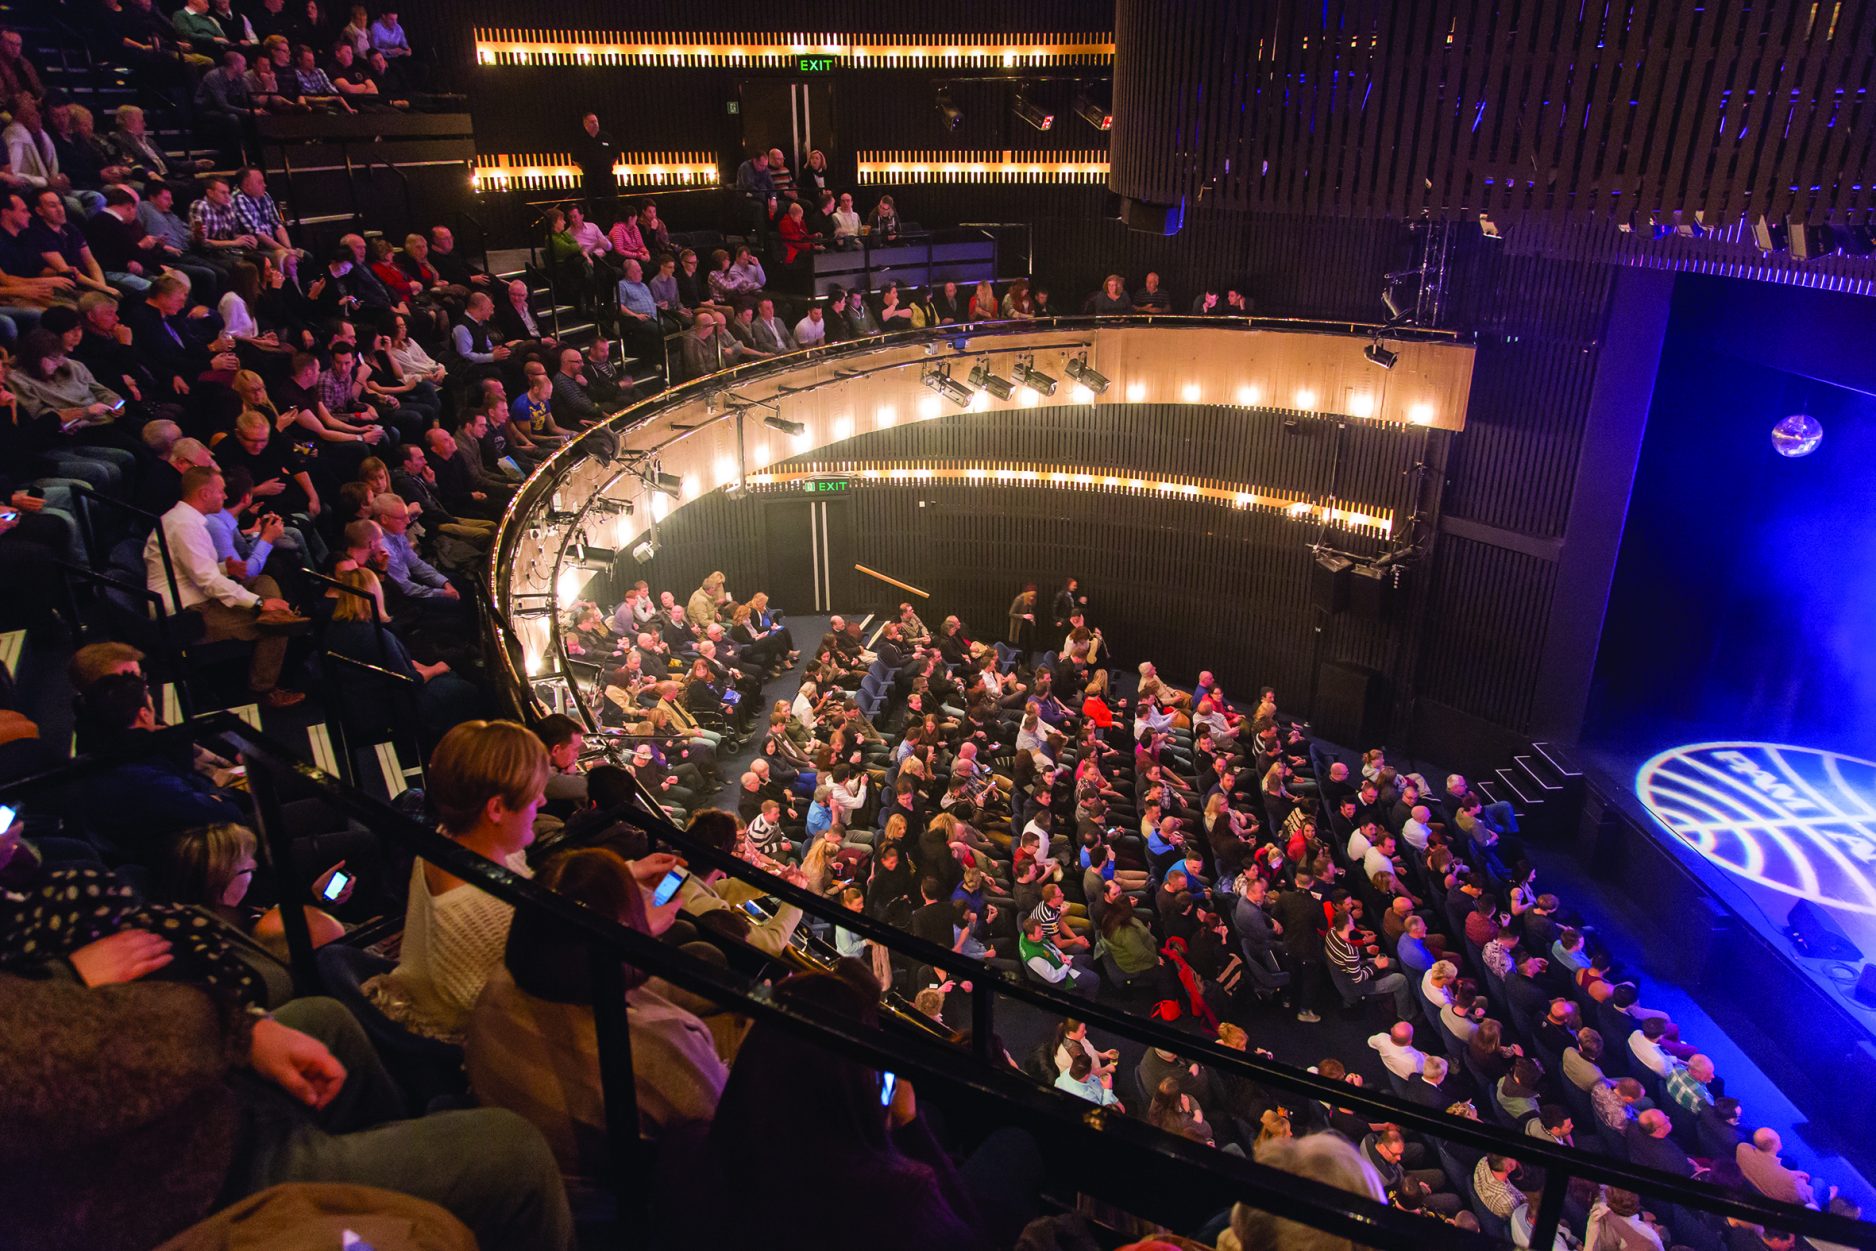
x=1744, y=604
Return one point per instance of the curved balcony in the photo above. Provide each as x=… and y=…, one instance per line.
x=755, y=427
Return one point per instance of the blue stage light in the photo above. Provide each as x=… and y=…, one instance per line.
x=1795, y=819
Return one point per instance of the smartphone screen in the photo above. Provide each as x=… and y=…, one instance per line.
x=668, y=887
x=887, y=1082
x=7, y=814
x=336, y=887
x=754, y=910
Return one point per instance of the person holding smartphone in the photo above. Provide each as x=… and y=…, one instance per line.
x=531, y=1045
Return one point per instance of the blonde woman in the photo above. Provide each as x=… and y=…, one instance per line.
x=487, y=779
x=984, y=306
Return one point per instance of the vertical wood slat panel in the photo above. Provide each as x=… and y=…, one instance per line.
x=1597, y=120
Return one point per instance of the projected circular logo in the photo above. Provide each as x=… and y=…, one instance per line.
x=1794, y=819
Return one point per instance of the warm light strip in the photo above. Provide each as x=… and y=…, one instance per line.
x=1365, y=518
x=1004, y=166
x=505, y=171
x=682, y=49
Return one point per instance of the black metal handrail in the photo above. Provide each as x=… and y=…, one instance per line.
x=1137, y=1156
x=232, y=735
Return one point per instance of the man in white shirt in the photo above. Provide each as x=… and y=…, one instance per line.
x=228, y=609
x=1358, y=844
x=811, y=331
x=1379, y=858
x=1398, y=1052
x=1414, y=831
x=1645, y=1045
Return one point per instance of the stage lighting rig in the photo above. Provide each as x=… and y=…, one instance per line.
x=789, y=428
x=950, y=115
x=1091, y=107
x=1077, y=367
x=939, y=379
x=664, y=483
x=1032, y=112
x=983, y=379
x=1381, y=356
x=1027, y=375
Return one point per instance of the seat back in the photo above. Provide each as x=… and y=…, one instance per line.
x=424, y=1068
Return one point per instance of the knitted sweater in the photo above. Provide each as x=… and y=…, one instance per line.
x=452, y=942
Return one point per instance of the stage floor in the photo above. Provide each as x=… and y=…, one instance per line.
x=1755, y=790
x=1766, y=826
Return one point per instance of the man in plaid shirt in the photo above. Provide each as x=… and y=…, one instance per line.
x=260, y=217
x=215, y=223
x=1691, y=1084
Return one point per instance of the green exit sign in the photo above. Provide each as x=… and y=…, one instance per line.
x=816, y=64
x=824, y=486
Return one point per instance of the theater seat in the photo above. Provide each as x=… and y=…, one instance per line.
x=425, y=1069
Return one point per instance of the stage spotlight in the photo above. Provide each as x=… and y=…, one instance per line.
x=789, y=428
x=1032, y=112
x=981, y=376
x=950, y=115
x=665, y=483
x=939, y=379
x=644, y=550
x=1027, y=375
x=1092, y=110
x=1077, y=367
x=1380, y=356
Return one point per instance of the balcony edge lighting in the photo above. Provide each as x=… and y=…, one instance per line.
x=539, y=171
x=504, y=46
x=1341, y=514
x=1089, y=166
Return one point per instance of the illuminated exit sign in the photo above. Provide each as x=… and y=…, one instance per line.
x=816, y=64
x=825, y=486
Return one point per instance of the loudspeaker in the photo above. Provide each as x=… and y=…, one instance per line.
x=1373, y=592
x=1150, y=218
x=1328, y=583
x=1351, y=705
x=1814, y=934
x=1866, y=986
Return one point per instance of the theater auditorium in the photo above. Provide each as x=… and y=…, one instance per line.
x=1052, y=624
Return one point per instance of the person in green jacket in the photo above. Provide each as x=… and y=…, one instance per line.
x=1128, y=946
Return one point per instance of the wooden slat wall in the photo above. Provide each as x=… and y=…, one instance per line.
x=1486, y=612
x=1539, y=110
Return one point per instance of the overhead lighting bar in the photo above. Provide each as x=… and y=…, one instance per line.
x=695, y=49
x=1077, y=367
x=1079, y=166
x=1027, y=375
x=939, y=379
x=550, y=171
x=1033, y=113
x=983, y=379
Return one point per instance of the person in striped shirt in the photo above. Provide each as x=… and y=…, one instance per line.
x=1362, y=974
